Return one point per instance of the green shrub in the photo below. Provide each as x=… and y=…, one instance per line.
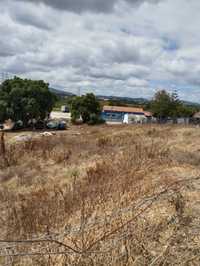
x=95, y=120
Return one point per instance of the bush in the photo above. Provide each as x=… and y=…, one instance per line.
x=86, y=107
x=24, y=100
x=95, y=120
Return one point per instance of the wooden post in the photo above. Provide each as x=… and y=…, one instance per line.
x=3, y=146
x=3, y=149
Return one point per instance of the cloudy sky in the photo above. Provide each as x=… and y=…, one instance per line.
x=110, y=47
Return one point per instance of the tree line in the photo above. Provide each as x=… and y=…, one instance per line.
x=27, y=100
x=166, y=105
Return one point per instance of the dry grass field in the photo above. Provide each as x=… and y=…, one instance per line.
x=106, y=195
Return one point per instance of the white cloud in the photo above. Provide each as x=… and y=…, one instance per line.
x=109, y=47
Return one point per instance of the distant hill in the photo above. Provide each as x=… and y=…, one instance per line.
x=102, y=97
x=128, y=100
x=140, y=101
x=124, y=99
x=61, y=93
x=191, y=103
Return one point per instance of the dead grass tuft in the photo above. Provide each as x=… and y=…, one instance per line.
x=97, y=189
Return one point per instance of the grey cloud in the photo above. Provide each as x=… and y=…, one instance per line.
x=28, y=19
x=78, y=5
x=121, y=52
x=30, y=15
x=119, y=72
x=87, y=5
x=6, y=50
x=132, y=50
x=5, y=53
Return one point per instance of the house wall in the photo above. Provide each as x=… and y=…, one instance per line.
x=134, y=119
x=116, y=116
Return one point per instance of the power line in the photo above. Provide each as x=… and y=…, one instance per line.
x=5, y=75
x=78, y=92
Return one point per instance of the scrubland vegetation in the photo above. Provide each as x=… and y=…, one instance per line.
x=123, y=195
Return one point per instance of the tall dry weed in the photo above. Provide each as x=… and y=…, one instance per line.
x=92, y=211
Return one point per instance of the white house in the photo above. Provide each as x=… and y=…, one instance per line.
x=134, y=119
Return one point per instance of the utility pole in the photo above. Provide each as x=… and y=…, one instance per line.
x=4, y=76
x=1, y=77
x=79, y=92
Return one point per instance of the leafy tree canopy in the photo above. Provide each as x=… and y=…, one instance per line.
x=24, y=99
x=87, y=107
x=166, y=105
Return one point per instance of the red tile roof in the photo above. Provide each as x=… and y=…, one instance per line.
x=123, y=109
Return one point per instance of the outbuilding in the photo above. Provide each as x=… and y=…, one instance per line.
x=128, y=115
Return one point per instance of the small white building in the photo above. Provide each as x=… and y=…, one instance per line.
x=60, y=115
x=64, y=109
x=134, y=119
x=125, y=114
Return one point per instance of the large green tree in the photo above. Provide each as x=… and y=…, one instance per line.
x=166, y=105
x=87, y=107
x=24, y=99
x=161, y=105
